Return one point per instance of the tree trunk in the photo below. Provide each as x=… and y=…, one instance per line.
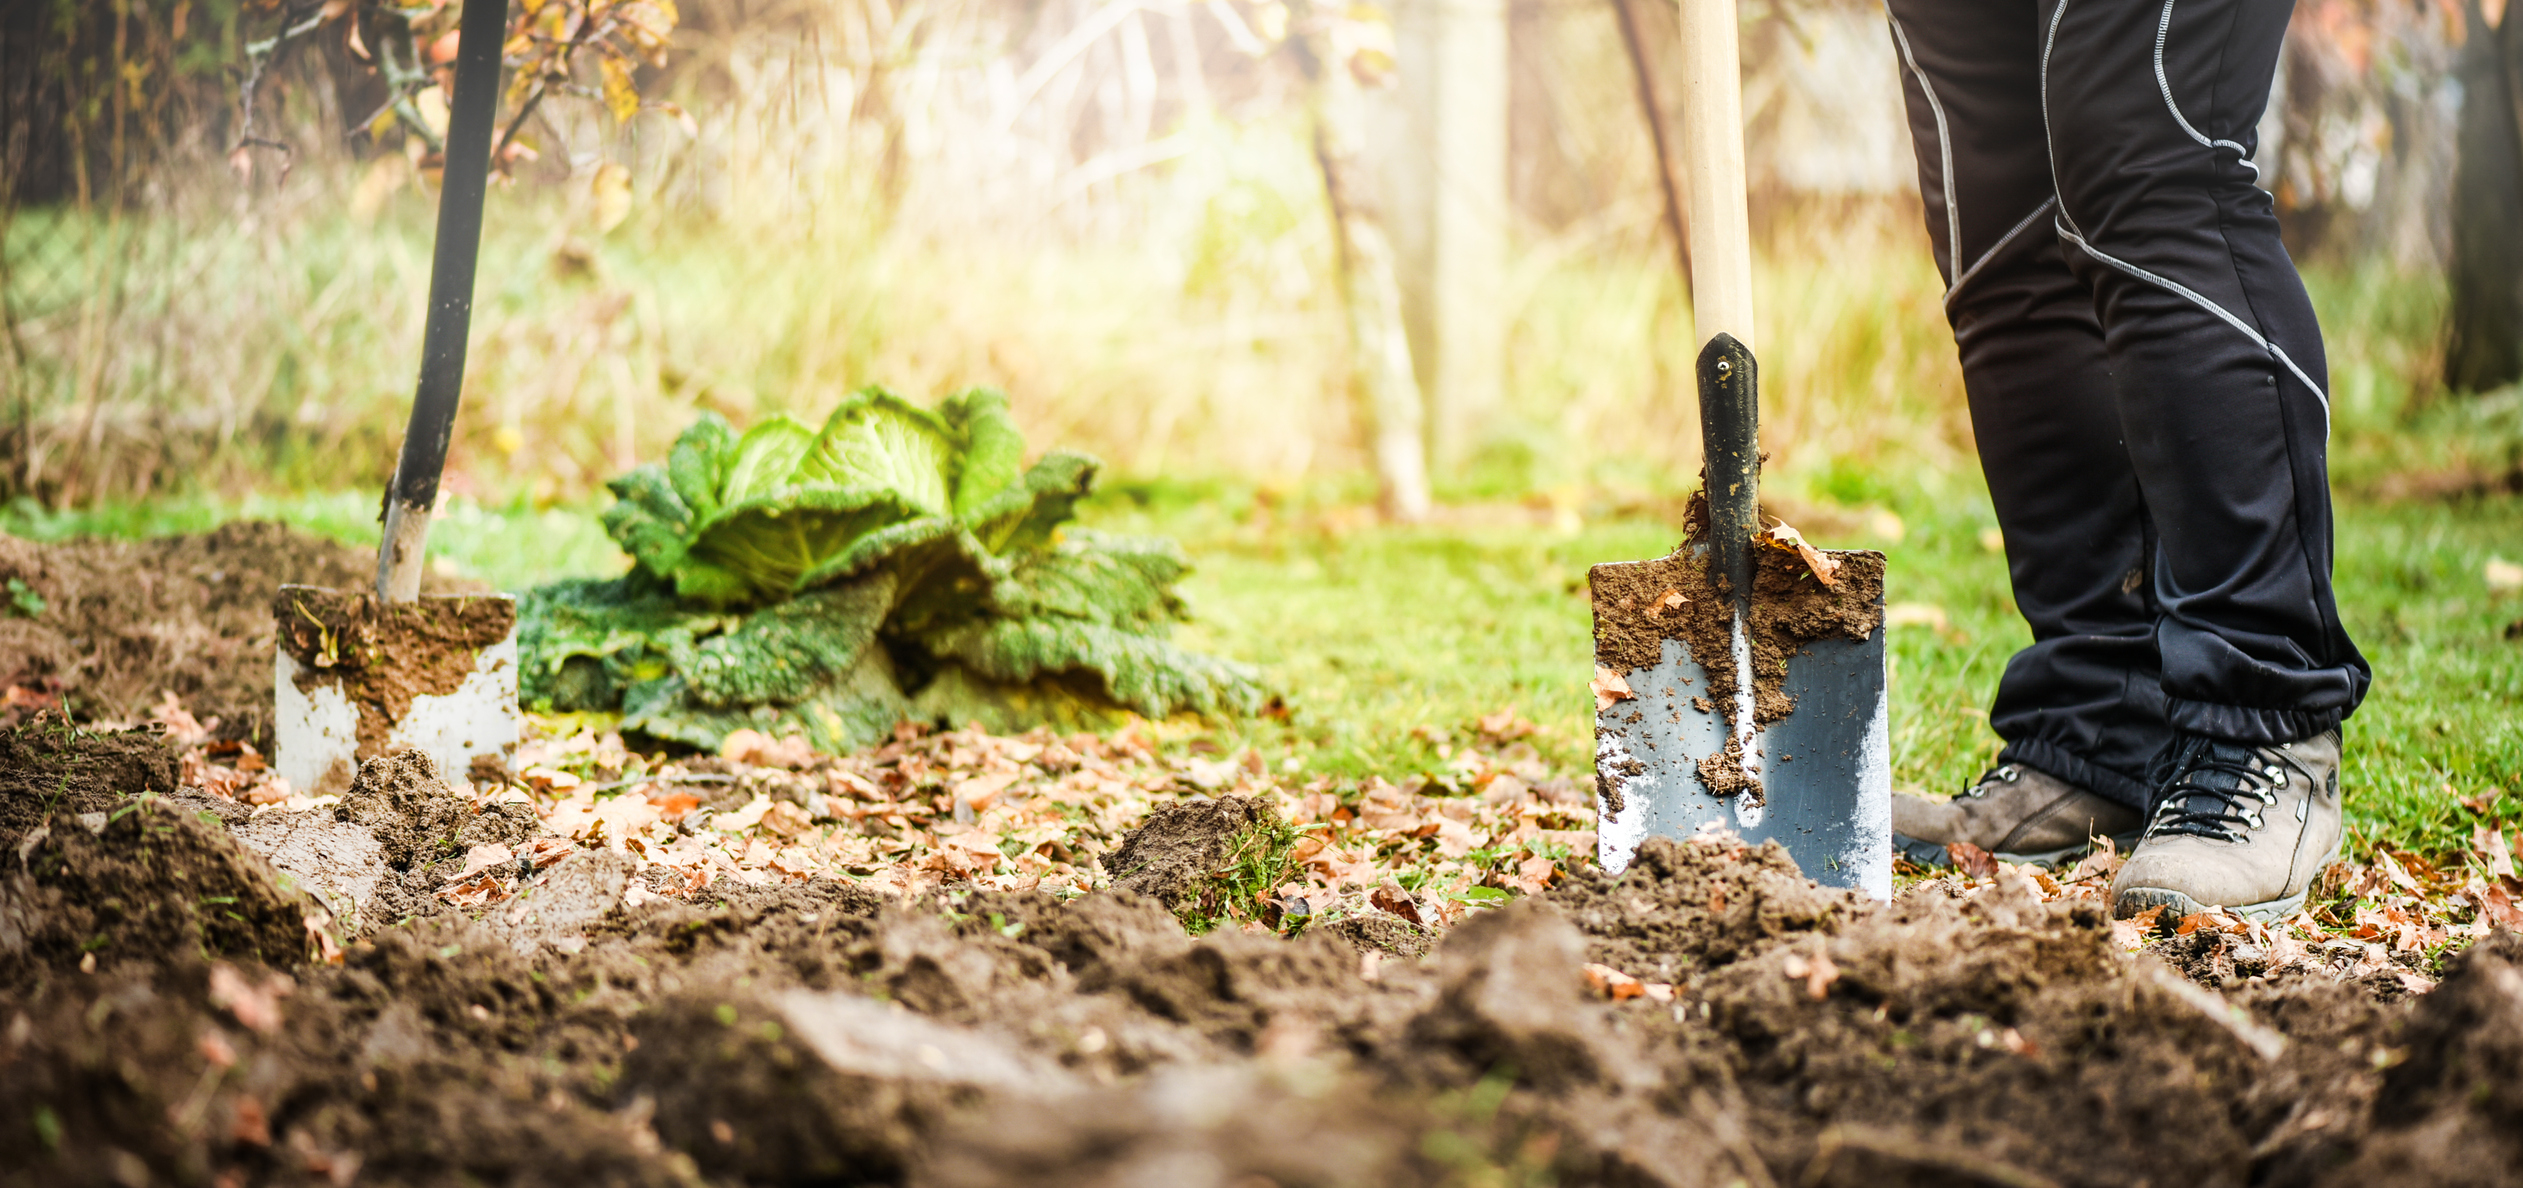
x=2485, y=348
x=1379, y=344
x=1651, y=105
x=1451, y=213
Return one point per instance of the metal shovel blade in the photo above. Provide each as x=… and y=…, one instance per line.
x=357, y=677
x=1826, y=767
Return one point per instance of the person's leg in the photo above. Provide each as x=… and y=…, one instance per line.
x=2084, y=702
x=2151, y=112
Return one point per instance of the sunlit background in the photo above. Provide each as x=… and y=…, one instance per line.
x=1117, y=212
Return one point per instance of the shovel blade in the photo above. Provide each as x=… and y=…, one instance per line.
x=1827, y=766
x=326, y=722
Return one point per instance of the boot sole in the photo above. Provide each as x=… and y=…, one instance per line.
x=1933, y=855
x=2136, y=900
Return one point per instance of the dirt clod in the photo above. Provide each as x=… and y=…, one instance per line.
x=146, y=883
x=48, y=769
x=415, y=815
x=1182, y=844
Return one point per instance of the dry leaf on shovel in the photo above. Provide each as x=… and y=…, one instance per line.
x=1826, y=568
x=1609, y=688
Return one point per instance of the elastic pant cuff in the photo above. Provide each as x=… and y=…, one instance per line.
x=2066, y=765
x=2250, y=724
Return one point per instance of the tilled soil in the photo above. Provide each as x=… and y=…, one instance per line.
x=124, y=623
x=180, y=1010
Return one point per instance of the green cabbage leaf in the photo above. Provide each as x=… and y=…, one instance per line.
x=897, y=562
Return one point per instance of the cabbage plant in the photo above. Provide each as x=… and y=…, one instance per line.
x=898, y=562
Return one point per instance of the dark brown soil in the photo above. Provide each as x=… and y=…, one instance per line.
x=382, y=654
x=126, y=622
x=168, y=1015
x=49, y=769
x=819, y=1033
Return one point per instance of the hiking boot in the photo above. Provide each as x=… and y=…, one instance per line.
x=2018, y=813
x=2236, y=826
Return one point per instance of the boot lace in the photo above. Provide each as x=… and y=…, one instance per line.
x=2215, y=789
x=1989, y=780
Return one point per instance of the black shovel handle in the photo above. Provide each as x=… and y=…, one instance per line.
x=1730, y=423
x=466, y=176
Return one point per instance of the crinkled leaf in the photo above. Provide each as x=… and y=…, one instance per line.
x=1094, y=607
x=994, y=451
x=785, y=652
x=1025, y=514
x=855, y=709
x=648, y=520
x=698, y=463
x=771, y=543
x=1147, y=673
x=765, y=460
x=958, y=698
x=879, y=441
x=1117, y=581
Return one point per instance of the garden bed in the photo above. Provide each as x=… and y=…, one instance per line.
x=967, y=959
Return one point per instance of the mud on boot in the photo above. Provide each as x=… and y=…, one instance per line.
x=2018, y=813
x=2236, y=826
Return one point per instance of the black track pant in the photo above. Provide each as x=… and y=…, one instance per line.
x=2145, y=374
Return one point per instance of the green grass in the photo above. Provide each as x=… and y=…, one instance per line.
x=1376, y=632
x=1387, y=643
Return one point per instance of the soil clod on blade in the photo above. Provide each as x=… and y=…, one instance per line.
x=1640, y=605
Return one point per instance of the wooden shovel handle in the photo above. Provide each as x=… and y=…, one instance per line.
x=1712, y=161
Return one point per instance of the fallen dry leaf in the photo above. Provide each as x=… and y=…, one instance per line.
x=2497, y=905
x=320, y=934
x=1391, y=898
x=481, y=890
x=255, y=1004
x=247, y=1123
x=1972, y=860
x=786, y=819
x=2490, y=844
x=2502, y=576
x=1816, y=972
x=485, y=856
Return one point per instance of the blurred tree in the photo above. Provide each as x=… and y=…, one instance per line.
x=1651, y=109
x=393, y=66
x=2485, y=347
x=1450, y=211
x=1340, y=54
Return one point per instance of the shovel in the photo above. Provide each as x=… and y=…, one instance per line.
x=361, y=673
x=1739, y=682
